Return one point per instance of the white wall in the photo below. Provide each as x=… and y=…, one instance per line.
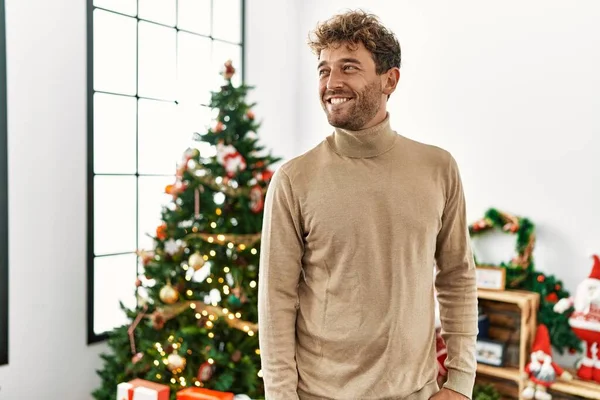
x=272, y=57
x=46, y=45
x=46, y=66
x=511, y=89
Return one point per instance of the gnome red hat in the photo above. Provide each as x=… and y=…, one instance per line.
x=595, y=274
x=542, y=340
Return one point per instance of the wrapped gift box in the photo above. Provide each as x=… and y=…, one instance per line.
x=140, y=389
x=203, y=394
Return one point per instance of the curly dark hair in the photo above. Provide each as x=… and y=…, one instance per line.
x=354, y=27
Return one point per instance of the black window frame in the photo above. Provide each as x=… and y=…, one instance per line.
x=93, y=337
x=3, y=194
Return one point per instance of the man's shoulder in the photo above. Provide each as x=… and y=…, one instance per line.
x=304, y=163
x=427, y=153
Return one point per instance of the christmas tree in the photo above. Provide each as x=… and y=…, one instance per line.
x=196, y=319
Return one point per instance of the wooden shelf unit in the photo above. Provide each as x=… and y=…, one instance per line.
x=528, y=303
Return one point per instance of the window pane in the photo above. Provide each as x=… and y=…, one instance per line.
x=152, y=197
x=114, y=281
x=123, y=6
x=194, y=16
x=162, y=11
x=114, y=133
x=193, y=119
x=227, y=20
x=157, y=61
x=114, y=52
x=194, y=72
x=221, y=53
x=114, y=214
x=161, y=142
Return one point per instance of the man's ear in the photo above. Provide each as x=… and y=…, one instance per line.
x=390, y=80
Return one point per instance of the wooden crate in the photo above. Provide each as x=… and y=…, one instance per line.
x=513, y=320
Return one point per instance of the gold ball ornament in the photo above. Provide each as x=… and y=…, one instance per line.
x=196, y=261
x=168, y=294
x=175, y=362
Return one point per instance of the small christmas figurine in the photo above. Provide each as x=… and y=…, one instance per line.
x=585, y=321
x=541, y=370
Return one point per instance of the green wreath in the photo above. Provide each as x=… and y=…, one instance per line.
x=521, y=266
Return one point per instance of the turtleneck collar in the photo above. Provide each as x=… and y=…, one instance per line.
x=364, y=143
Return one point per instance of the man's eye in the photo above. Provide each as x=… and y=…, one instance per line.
x=322, y=72
x=347, y=67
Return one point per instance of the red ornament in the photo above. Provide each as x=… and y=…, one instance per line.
x=250, y=115
x=552, y=298
x=557, y=287
x=229, y=70
x=256, y=199
x=541, y=278
x=219, y=127
x=267, y=175
x=161, y=231
x=205, y=372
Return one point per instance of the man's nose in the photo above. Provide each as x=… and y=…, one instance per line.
x=334, y=81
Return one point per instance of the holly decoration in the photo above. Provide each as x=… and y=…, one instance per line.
x=521, y=274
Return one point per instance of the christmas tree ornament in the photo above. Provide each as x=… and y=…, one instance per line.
x=542, y=371
x=229, y=70
x=585, y=320
x=161, y=231
x=168, y=294
x=250, y=115
x=256, y=199
x=196, y=261
x=175, y=362
x=205, y=372
x=236, y=356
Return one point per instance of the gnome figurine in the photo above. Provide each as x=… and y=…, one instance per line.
x=585, y=321
x=542, y=371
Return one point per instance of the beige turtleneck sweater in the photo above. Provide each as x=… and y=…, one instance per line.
x=352, y=231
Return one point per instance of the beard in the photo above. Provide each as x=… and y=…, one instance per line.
x=362, y=108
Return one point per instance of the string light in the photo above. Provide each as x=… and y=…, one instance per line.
x=198, y=316
x=230, y=245
x=221, y=280
x=211, y=361
x=158, y=376
x=205, y=313
x=189, y=292
x=226, y=270
x=185, y=267
x=253, y=284
x=253, y=251
x=251, y=333
x=213, y=253
x=213, y=225
x=211, y=317
x=176, y=346
x=218, y=211
x=231, y=316
x=225, y=311
x=171, y=338
x=193, y=306
x=165, y=361
x=173, y=380
x=189, y=352
x=260, y=374
x=195, y=229
x=226, y=289
x=211, y=335
x=210, y=239
x=197, y=383
x=209, y=280
x=221, y=238
x=209, y=324
x=205, y=257
x=238, y=315
x=156, y=362
x=242, y=247
x=246, y=328
x=257, y=351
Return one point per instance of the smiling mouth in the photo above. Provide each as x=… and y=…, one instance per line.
x=338, y=100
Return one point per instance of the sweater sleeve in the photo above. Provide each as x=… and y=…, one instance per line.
x=282, y=247
x=456, y=287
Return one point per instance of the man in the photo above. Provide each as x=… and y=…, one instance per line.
x=352, y=230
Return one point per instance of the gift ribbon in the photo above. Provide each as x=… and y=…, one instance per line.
x=131, y=329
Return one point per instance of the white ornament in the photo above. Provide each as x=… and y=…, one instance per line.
x=241, y=397
x=172, y=246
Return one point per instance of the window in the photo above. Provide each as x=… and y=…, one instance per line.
x=3, y=197
x=151, y=66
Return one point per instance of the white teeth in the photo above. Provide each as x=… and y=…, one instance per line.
x=337, y=100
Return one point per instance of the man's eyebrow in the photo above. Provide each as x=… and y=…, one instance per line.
x=342, y=60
